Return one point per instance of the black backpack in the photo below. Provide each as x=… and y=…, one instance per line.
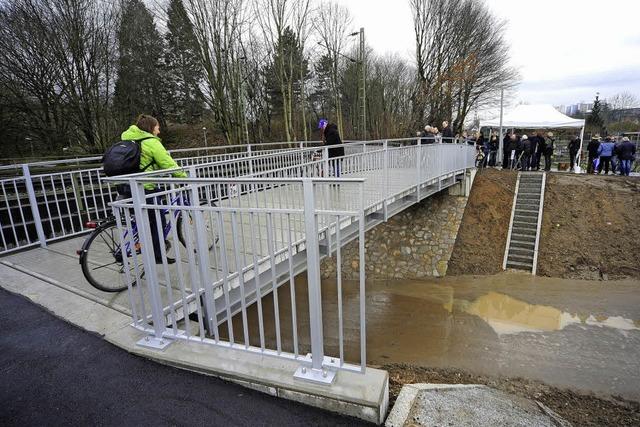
x=123, y=158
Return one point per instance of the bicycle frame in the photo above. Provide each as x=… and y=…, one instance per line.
x=175, y=201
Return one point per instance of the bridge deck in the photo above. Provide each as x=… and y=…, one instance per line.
x=58, y=263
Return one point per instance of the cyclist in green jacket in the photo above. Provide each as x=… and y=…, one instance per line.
x=153, y=157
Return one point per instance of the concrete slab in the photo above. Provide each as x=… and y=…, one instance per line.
x=467, y=405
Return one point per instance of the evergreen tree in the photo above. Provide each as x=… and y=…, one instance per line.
x=184, y=71
x=285, y=80
x=595, y=119
x=140, y=86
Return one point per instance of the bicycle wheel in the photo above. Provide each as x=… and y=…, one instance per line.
x=188, y=226
x=102, y=262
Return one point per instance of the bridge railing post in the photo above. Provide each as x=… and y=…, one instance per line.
x=151, y=274
x=316, y=372
x=418, y=168
x=325, y=158
x=33, y=202
x=385, y=148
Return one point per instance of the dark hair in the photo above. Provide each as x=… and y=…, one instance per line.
x=146, y=123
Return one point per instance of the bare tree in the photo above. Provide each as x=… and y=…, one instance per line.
x=218, y=26
x=623, y=100
x=332, y=23
x=460, y=51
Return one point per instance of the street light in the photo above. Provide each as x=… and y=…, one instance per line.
x=204, y=132
x=363, y=83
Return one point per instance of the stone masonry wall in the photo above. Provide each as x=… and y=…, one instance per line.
x=415, y=243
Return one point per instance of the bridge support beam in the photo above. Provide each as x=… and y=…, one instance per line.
x=463, y=188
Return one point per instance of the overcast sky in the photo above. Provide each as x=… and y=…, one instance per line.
x=566, y=50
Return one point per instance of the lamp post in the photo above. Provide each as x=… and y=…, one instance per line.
x=362, y=83
x=204, y=132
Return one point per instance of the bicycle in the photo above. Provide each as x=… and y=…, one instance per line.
x=101, y=258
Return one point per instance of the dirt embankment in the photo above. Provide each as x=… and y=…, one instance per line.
x=579, y=409
x=590, y=227
x=482, y=236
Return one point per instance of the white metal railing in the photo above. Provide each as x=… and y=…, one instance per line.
x=40, y=207
x=254, y=224
x=237, y=248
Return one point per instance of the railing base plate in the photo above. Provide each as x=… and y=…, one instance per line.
x=153, y=342
x=320, y=376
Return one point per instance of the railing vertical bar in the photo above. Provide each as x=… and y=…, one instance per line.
x=178, y=255
x=236, y=247
x=6, y=201
x=136, y=264
x=256, y=274
x=363, y=331
x=225, y=275
x=24, y=222
x=66, y=200
x=165, y=268
x=274, y=286
x=46, y=204
x=125, y=262
x=57, y=204
x=339, y=284
x=292, y=286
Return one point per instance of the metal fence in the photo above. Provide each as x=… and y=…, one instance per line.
x=238, y=242
x=55, y=199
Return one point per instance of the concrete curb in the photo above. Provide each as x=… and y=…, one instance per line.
x=364, y=396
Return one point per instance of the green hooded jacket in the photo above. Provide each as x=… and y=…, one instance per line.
x=152, y=152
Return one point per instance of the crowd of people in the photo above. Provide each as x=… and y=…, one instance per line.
x=611, y=154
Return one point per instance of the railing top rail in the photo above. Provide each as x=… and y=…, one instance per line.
x=171, y=180
x=90, y=158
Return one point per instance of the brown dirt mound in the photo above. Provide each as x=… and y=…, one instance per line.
x=482, y=236
x=590, y=227
x=579, y=409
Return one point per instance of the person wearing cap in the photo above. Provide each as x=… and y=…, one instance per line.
x=626, y=154
x=592, y=149
x=605, y=152
x=330, y=137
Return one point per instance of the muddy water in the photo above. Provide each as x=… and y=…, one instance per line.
x=579, y=334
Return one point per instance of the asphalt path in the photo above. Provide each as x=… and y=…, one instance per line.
x=53, y=373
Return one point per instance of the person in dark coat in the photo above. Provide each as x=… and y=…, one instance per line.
x=574, y=147
x=626, y=155
x=512, y=150
x=331, y=137
x=548, y=151
x=535, y=160
x=526, y=153
x=592, y=148
x=505, y=150
x=493, y=150
x=447, y=133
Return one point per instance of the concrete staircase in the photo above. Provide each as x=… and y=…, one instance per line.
x=521, y=252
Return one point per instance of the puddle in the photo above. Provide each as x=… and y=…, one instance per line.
x=507, y=315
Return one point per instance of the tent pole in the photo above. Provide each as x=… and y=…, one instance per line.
x=579, y=155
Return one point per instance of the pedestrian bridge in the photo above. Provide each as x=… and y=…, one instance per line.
x=255, y=221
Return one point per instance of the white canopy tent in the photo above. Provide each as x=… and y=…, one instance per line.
x=540, y=116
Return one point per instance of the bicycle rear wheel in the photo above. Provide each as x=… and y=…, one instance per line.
x=101, y=259
x=186, y=227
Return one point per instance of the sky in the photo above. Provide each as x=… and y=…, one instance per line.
x=565, y=50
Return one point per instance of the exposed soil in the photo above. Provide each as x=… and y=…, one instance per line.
x=482, y=236
x=590, y=227
x=579, y=409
